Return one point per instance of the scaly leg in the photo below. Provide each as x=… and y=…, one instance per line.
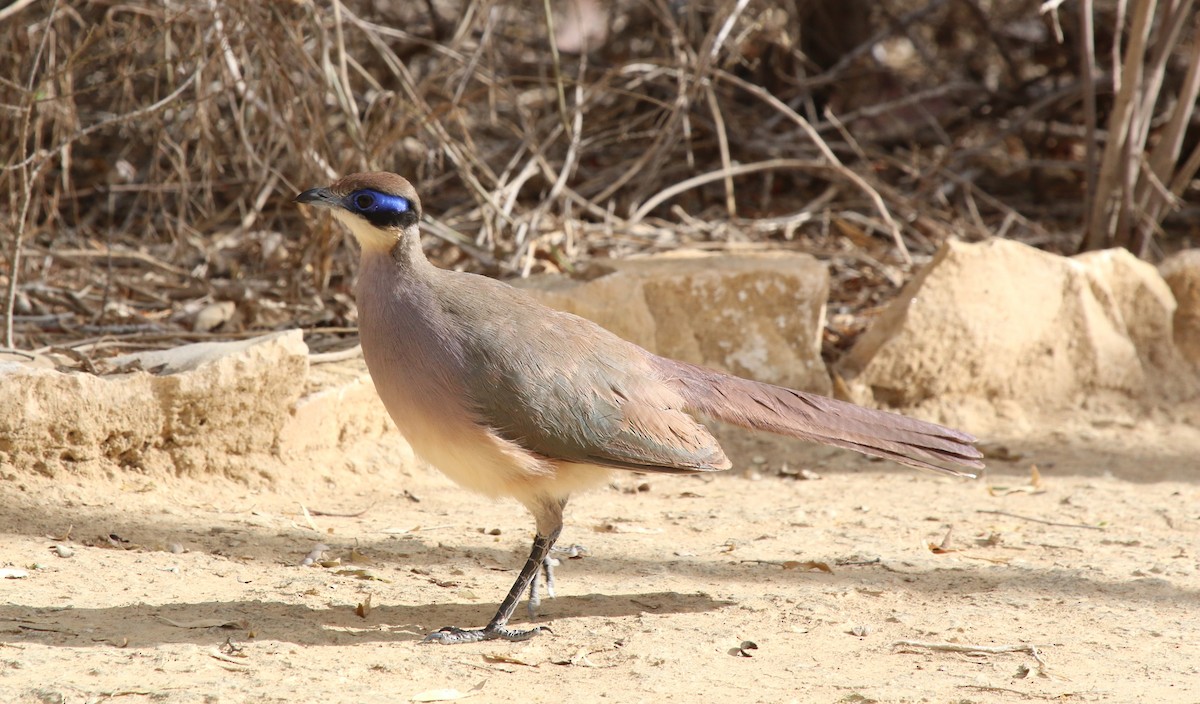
x=548, y=565
x=549, y=524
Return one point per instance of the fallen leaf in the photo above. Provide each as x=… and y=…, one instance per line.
x=944, y=547
x=363, y=574
x=1033, y=487
x=527, y=657
x=807, y=565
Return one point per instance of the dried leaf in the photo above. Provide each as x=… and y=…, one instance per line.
x=363, y=608
x=944, y=547
x=807, y=565
x=1033, y=487
x=529, y=656
x=363, y=574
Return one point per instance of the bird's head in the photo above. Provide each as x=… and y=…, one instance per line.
x=378, y=207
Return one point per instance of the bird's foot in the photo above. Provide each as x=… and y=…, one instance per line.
x=453, y=636
x=570, y=551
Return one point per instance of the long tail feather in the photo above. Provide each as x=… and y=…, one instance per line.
x=776, y=409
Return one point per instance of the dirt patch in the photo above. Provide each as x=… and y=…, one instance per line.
x=1096, y=569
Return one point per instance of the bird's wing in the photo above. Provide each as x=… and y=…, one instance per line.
x=564, y=388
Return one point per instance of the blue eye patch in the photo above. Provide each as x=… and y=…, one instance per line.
x=366, y=200
x=383, y=210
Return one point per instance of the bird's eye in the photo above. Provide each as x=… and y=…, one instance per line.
x=364, y=201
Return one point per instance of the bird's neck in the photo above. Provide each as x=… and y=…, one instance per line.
x=408, y=255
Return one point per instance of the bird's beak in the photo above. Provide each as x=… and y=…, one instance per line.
x=320, y=197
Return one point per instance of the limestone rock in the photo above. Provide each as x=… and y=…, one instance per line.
x=201, y=408
x=338, y=408
x=1003, y=324
x=1182, y=274
x=755, y=315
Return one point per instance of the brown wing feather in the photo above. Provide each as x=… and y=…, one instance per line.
x=566, y=389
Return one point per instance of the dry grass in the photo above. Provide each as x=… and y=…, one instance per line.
x=151, y=149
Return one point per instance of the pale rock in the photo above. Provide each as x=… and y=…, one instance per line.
x=338, y=408
x=211, y=407
x=1182, y=274
x=1003, y=327
x=756, y=315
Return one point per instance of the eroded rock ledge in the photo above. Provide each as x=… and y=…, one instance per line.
x=991, y=335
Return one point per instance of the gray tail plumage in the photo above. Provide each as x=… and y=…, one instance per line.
x=775, y=409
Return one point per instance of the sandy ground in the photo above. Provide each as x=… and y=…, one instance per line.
x=1085, y=589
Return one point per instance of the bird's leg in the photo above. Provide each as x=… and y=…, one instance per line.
x=549, y=525
x=548, y=565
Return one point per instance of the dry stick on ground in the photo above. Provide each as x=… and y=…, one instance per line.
x=965, y=648
x=339, y=356
x=1040, y=520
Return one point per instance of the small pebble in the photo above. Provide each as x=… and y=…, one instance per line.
x=64, y=551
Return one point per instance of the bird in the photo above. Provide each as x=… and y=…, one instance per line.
x=510, y=398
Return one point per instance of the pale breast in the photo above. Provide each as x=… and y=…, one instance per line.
x=416, y=367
